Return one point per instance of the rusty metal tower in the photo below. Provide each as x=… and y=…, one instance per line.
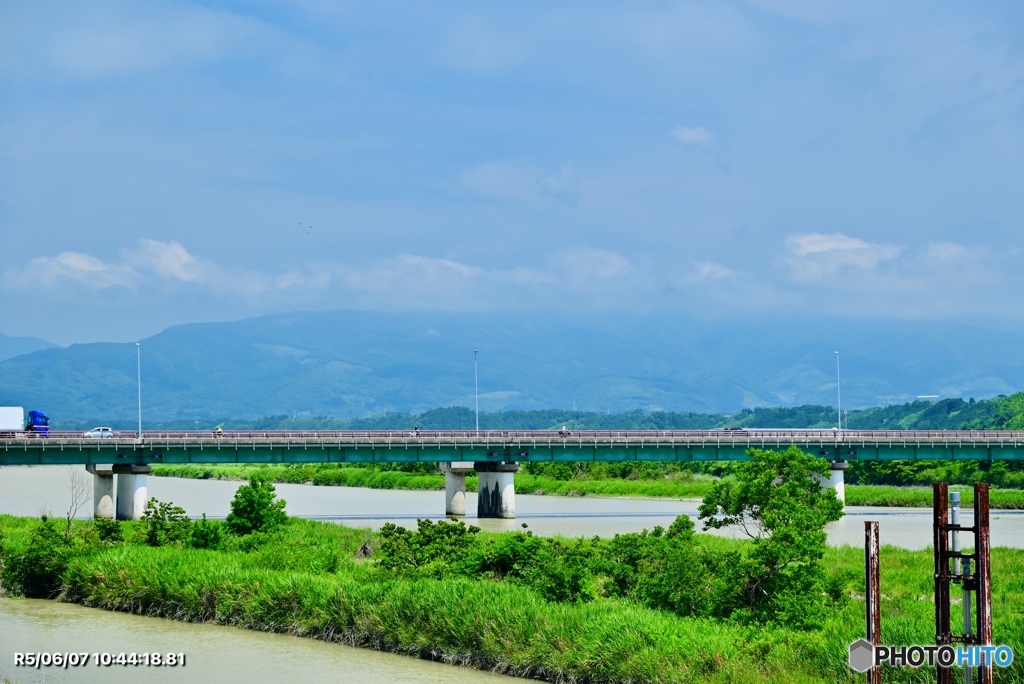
x=955, y=567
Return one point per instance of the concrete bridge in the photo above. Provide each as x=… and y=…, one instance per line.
x=493, y=454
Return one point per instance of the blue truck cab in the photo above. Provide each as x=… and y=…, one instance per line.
x=38, y=423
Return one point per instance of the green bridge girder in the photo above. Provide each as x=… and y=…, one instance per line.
x=503, y=446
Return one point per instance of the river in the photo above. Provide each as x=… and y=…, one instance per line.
x=228, y=654
x=213, y=653
x=29, y=490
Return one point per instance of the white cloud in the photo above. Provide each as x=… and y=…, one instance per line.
x=942, y=253
x=837, y=272
x=156, y=266
x=150, y=264
x=168, y=259
x=814, y=255
x=411, y=274
x=697, y=136
x=81, y=269
x=823, y=272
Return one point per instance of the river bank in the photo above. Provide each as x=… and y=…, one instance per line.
x=526, y=483
x=318, y=580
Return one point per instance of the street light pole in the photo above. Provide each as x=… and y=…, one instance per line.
x=476, y=389
x=138, y=356
x=839, y=396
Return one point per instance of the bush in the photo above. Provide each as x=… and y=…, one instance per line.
x=433, y=550
x=255, y=508
x=36, y=572
x=108, y=530
x=205, y=534
x=164, y=523
x=559, y=570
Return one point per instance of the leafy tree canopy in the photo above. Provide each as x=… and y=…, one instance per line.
x=1009, y=412
x=255, y=508
x=778, y=501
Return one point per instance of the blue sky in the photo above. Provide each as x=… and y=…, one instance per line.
x=169, y=162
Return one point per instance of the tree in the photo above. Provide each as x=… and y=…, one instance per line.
x=255, y=508
x=1009, y=413
x=164, y=523
x=777, y=500
x=78, y=488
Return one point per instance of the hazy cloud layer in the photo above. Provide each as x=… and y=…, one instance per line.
x=813, y=272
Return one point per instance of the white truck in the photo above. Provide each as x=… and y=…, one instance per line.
x=12, y=419
x=12, y=423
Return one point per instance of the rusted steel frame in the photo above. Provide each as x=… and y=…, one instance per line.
x=872, y=594
x=982, y=547
x=940, y=520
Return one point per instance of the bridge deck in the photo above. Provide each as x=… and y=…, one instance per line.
x=361, y=446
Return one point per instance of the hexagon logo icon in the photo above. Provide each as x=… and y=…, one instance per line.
x=862, y=655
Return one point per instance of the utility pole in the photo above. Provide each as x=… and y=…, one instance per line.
x=138, y=355
x=839, y=396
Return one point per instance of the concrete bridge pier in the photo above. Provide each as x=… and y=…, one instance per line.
x=455, y=486
x=836, y=479
x=102, y=490
x=497, y=490
x=131, y=491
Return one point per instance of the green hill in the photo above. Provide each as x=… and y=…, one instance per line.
x=352, y=364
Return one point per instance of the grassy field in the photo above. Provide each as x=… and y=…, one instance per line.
x=332, y=475
x=877, y=495
x=314, y=580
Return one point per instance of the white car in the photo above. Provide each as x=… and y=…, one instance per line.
x=99, y=432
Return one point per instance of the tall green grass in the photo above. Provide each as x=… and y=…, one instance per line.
x=882, y=495
x=490, y=625
x=314, y=581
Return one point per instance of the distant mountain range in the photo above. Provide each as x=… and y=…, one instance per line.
x=351, y=364
x=16, y=346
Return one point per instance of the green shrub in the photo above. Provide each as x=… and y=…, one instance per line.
x=255, y=508
x=433, y=550
x=109, y=530
x=36, y=570
x=164, y=523
x=206, y=534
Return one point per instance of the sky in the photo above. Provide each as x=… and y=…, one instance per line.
x=172, y=162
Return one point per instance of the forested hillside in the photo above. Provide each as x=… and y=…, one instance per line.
x=946, y=414
x=672, y=370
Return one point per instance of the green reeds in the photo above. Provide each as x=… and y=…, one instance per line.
x=312, y=580
x=490, y=625
x=884, y=495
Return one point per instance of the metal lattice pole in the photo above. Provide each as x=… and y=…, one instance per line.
x=872, y=594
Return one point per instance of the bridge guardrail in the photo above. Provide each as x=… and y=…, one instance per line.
x=750, y=436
